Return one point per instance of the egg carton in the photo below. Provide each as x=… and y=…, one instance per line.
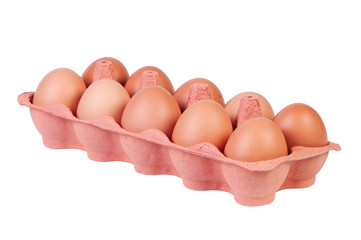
x=201, y=167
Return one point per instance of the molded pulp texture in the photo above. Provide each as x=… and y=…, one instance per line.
x=201, y=167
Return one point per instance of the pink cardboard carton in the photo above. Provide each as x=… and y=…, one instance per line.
x=201, y=167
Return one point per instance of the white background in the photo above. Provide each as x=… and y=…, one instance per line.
x=289, y=51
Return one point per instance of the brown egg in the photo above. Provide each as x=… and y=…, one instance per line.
x=134, y=82
x=105, y=97
x=256, y=139
x=151, y=107
x=184, y=93
x=105, y=68
x=232, y=106
x=302, y=126
x=203, y=121
x=61, y=85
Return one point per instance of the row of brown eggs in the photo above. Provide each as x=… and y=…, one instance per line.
x=244, y=128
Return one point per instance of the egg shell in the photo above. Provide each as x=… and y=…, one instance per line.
x=106, y=67
x=203, y=121
x=105, y=97
x=301, y=126
x=151, y=107
x=201, y=167
x=60, y=86
x=183, y=92
x=256, y=139
x=232, y=106
x=134, y=82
